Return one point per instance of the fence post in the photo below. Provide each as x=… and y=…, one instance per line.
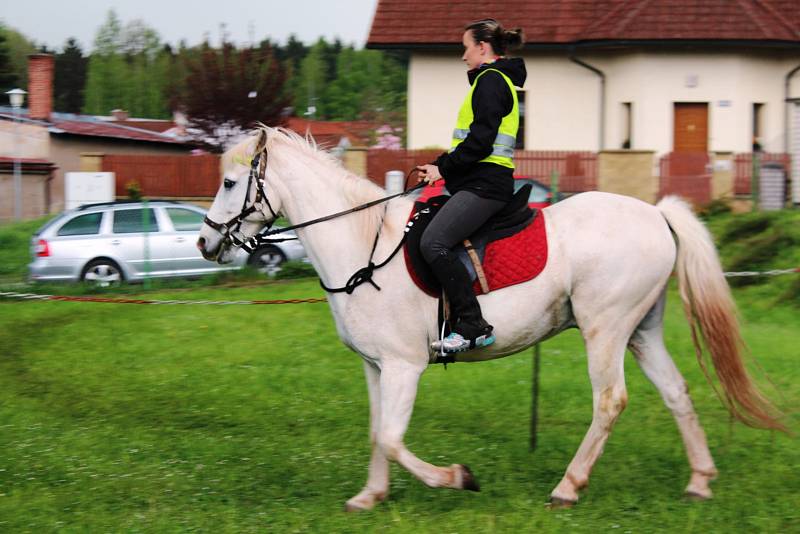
x=754, y=179
x=537, y=353
x=553, y=186
x=146, y=243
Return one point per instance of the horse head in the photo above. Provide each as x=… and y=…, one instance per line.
x=242, y=206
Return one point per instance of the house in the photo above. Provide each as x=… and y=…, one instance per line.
x=710, y=76
x=51, y=144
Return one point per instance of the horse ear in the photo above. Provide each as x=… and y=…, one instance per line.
x=261, y=142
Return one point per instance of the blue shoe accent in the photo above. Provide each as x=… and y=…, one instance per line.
x=457, y=343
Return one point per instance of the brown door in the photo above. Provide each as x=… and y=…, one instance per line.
x=691, y=128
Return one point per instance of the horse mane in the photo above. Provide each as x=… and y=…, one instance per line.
x=286, y=147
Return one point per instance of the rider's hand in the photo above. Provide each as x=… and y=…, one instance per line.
x=429, y=173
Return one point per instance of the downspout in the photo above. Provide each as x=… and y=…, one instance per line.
x=786, y=104
x=602, y=76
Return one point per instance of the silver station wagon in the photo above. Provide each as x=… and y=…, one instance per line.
x=108, y=243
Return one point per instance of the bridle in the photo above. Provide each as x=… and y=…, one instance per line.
x=235, y=237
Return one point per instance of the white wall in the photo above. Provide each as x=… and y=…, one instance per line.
x=563, y=98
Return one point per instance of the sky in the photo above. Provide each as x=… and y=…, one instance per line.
x=51, y=22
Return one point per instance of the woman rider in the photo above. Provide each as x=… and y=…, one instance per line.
x=478, y=172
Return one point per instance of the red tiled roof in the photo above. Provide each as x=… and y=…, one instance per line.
x=105, y=129
x=329, y=133
x=440, y=22
x=152, y=125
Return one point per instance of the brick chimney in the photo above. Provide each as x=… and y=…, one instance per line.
x=40, y=86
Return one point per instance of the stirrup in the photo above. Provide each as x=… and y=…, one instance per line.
x=457, y=343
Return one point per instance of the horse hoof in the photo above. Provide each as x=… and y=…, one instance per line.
x=696, y=497
x=468, y=481
x=350, y=507
x=558, y=502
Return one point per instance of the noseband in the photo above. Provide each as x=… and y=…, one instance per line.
x=231, y=234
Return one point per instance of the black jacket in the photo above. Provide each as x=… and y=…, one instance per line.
x=491, y=101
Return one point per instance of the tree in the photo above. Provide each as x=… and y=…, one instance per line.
x=128, y=69
x=70, y=78
x=310, y=81
x=229, y=90
x=7, y=76
x=19, y=47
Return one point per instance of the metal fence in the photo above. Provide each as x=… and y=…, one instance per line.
x=687, y=174
x=743, y=169
x=577, y=171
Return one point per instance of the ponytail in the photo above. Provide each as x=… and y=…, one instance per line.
x=492, y=32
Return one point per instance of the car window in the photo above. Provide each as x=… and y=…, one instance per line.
x=184, y=220
x=87, y=224
x=135, y=220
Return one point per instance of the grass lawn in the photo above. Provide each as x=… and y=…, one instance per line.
x=164, y=419
x=124, y=418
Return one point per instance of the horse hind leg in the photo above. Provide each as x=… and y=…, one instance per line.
x=647, y=346
x=606, y=353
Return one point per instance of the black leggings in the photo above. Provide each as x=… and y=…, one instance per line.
x=456, y=221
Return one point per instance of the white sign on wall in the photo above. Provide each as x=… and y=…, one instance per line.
x=87, y=188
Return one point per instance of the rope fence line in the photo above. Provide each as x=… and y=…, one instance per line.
x=10, y=295
x=65, y=298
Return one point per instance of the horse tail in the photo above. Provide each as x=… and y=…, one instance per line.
x=711, y=313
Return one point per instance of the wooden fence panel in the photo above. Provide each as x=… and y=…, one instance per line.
x=166, y=176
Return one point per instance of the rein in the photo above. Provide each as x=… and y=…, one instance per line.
x=236, y=239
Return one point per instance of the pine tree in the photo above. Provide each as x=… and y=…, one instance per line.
x=70, y=77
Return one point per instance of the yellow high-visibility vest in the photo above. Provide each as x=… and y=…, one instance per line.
x=503, y=145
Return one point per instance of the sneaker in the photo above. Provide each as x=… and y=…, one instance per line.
x=457, y=343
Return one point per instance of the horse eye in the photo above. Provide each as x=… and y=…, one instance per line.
x=228, y=183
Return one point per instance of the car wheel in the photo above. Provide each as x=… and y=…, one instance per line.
x=267, y=260
x=102, y=273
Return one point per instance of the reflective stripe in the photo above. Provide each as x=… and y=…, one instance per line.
x=500, y=150
x=505, y=139
x=501, y=139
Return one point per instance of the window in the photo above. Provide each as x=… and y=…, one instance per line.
x=758, y=112
x=88, y=224
x=520, y=145
x=184, y=220
x=134, y=221
x=627, y=129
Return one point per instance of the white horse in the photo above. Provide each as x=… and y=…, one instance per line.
x=610, y=258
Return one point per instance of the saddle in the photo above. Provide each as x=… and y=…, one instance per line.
x=509, y=249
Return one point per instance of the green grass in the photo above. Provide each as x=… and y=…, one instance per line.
x=162, y=419
x=124, y=418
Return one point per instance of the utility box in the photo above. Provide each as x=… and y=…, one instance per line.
x=395, y=182
x=88, y=188
x=771, y=187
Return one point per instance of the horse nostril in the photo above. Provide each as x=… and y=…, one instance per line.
x=201, y=243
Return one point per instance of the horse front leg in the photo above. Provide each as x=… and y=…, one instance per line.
x=377, y=487
x=398, y=390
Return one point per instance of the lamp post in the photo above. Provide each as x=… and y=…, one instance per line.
x=16, y=97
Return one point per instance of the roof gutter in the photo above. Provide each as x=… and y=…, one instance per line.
x=602, y=76
x=787, y=106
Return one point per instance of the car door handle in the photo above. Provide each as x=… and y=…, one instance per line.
x=180, y=239
x=116, y=242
